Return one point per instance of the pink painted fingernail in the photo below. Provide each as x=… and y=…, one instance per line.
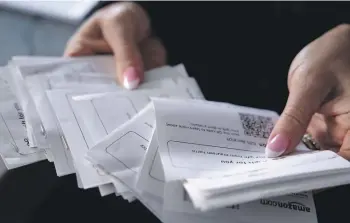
x=131, y=78
x=277, y=146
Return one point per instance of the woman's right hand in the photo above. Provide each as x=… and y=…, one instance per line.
x=122, y=29
x=319, y=96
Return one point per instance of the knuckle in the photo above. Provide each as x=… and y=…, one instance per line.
x=339, y=37
x=158, y=55
x=296, y=117
x=128, y=15
x=75, y=41
x=343, y=28
x=161, y=55
x=132, y=6
x=158, y=47
x=125, y=11
x=72, y=41
x=311, y=77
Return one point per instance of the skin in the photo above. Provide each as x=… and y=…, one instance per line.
x=319, y=93
x=122, y=29
x=318, y=79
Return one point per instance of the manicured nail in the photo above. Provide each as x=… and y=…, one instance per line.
x=277, y=146
x=131, y=78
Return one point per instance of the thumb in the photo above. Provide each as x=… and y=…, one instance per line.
x=304, y=100
x=124, y=29
x=345, y=147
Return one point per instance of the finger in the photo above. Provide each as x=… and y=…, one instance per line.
x=87, y=47
x=77, y=50
x=88, y=30
x=338, y=127
x=320, y=131
x=124, y=29
x=345, y=148
x=153, y=53
x=304, y=100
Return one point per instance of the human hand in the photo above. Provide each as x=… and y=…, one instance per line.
x=319, y=97
x=122, y=29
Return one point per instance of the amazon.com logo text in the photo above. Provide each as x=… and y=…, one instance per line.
x=295, y=206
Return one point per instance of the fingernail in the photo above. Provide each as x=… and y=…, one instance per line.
x=131, y=78
x=277, y=146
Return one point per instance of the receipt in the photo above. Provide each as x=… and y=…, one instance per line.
x=71, y=126
x=192, y=142
x=306, y=172
x=37, y=86
x=14, y=144
x=151, y=175
x=106, y=189
x=134, y=104
x=103, y=113
x=32, y=80
x=82, y=135
x=121, y=152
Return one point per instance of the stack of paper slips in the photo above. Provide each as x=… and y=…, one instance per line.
x=186, y=159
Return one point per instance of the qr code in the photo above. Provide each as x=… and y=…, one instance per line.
x=256, y=125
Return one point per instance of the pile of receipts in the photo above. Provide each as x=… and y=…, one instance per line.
x=185, y=158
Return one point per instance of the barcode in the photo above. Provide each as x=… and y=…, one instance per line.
x=256, y=125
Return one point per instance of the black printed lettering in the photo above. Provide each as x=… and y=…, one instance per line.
x=143, y=147
x=26, y=141
x=295, y=206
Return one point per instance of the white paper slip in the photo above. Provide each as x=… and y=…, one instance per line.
x=121, y=152
x=46, y=71
x=99, y=119
x=71, y=126
x=195, y=136
x=63, y=68
x=189, y=83
x=14, y=144
x=182, y=70
x=93, y=64
x=119, y=187
x=37, y=86
x=307, y=172
x=98, y=110
x=78, y=139
x=135, y=102
x=103, y=113
x=151, y=174
x=106, y=189
x=33, y=123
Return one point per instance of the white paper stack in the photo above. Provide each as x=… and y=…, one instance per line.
x=186, y=159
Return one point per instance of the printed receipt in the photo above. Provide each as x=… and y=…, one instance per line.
x=123, y=149
x=199, y=137
x=135, y=135
x=14, y=143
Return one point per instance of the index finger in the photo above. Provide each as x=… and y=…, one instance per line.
x=124, y=26
x=85, y=40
